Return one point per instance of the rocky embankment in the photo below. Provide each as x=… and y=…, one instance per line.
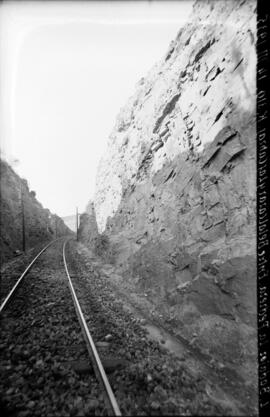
x=47, y=372
x=18, y=201
x=175, y=198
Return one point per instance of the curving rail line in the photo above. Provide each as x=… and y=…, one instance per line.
x=12, y=292
x=97, y=364
x=98, y=367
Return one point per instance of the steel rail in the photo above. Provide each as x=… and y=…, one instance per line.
x=15, y=287
x=98, y=367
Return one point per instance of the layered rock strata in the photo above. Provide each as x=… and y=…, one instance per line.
x=17, y=201
x=176, y=188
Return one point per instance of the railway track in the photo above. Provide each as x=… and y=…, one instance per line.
x=12, y=270
x=51, y=366
x=12, y=284
x=110, y=400
x=99, y=370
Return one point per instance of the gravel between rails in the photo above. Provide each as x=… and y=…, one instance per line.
x=40, y=342
x=146, y=378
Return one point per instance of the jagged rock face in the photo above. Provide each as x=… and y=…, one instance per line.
x=180, y=161
x=40, y=224
x=88, y=230
x=88, y=234
x=176, y=189
x=205, y=83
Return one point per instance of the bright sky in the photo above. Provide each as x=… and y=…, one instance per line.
x=66, y=68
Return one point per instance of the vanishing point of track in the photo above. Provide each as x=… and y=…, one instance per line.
x=91, y=348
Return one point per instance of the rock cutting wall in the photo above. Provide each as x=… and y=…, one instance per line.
x=40, y=224
x=176, y=188
x=205, y=83
x=88, y=230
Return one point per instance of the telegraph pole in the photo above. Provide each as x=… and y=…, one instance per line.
x=77, y=223
x=23, y=218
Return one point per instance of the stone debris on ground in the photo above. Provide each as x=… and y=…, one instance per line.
x=45, y=372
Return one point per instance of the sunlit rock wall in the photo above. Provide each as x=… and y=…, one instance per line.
x=206, y=82
x=176, y=188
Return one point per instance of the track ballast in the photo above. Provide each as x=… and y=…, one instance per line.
x=45, y=366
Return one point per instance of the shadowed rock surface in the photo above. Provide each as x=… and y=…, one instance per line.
x=176, y=188
x=40, y=224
